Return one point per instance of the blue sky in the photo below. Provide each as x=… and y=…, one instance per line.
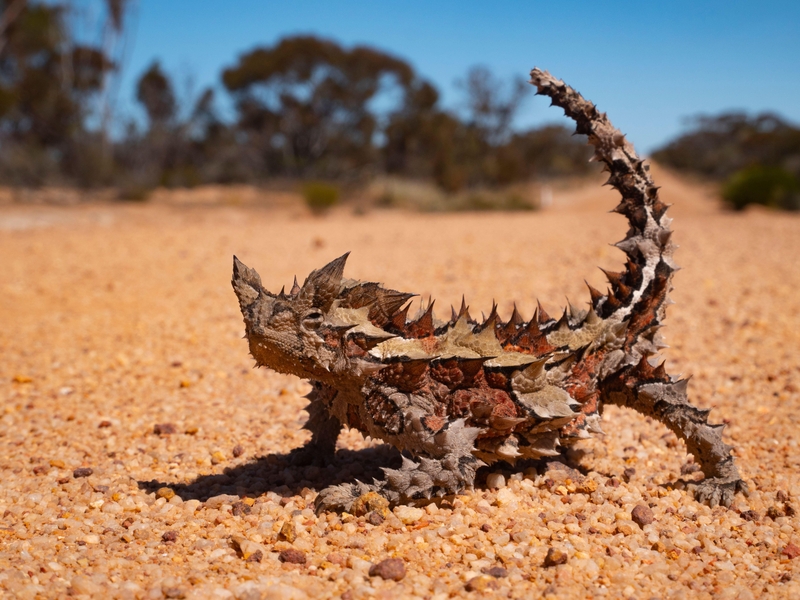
x=648, y=64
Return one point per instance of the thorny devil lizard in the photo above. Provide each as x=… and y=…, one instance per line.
x=456, y=395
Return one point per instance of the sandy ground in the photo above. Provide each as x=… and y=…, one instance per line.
x=143, y=457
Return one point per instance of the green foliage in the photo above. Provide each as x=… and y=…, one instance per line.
x=769, y=186
x=320, y=196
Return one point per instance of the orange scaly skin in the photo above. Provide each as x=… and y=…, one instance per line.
x=455, y=395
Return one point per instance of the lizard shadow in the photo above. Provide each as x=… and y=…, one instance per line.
x=288, y=474
x=284, y=474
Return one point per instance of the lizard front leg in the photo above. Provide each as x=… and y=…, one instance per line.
x=324, y=428
x=668, y=402
x=448, y=467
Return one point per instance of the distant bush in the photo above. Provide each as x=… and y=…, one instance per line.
x=724, y=145
x=134, y=192
x=494, y=201
x=769, y=186
x=320, y=196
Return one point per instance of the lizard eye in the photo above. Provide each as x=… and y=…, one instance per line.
x=313, y=320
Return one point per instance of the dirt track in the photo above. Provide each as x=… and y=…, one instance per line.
x=116, y=321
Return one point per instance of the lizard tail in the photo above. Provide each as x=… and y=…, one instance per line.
x=638, y=294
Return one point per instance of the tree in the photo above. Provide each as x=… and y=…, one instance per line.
x=154, y=92
x=303, y=104
x=410, y=132
x=49, y=83
x=40, y=103
x=491, y=108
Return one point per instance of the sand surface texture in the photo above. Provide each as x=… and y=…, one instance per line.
x=141, y=456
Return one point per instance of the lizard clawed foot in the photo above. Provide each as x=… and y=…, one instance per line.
x=716, y=491
x=340, y=498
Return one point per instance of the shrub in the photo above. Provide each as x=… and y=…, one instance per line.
x=320, y=196
x=769, y=186
x=134, y=192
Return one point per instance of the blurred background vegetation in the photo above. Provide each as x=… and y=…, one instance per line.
x=311, y=111
x=757, y=159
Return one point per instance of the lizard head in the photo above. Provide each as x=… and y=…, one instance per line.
x=289, y=332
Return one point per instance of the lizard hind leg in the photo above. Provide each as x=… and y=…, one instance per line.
x=667, y=402
x=451, y=471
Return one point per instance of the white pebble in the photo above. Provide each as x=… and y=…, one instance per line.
x=219, y=552
x=408, y=514
x=191, y=505
x=84, y=585
x=501, y=539
x=281, y=591
x=495, y=481
x=359, y=565
x=217, y=501
x=111, y=508
x=506, y=497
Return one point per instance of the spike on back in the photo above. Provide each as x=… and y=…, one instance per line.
x=423, y=326
x=596, y=295
x=541, y=315
x=490, y=322
x=464, y=311
x=510, y=329
x=322, y=286
x=398, y=319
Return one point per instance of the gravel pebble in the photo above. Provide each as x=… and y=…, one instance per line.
x=84, y=585
x=290, y=555
x=791, y=551
x=288, y=532
x=495, y=481
x=169, y=536
x=240, y=508
x=165, y=492
x=82, y=472
x=247, y=549
x=408, y=515
x=389, y=568
x=497, y=572
x=555, y=556
x=375, y=518
x=642, y=515
x=481, y=583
